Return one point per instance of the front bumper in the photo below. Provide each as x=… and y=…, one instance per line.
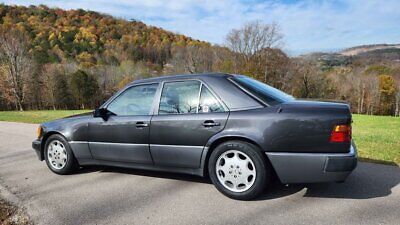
x=36, y=145
x=313, y=167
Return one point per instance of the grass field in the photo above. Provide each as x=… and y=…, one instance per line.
x=36, y=116
x=377, y=137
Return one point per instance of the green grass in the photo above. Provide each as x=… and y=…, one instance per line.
x=377, y=137
x=37, y=116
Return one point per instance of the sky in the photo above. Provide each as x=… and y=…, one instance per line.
x=309, y=25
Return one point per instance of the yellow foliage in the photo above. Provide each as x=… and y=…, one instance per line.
x=86, y=59
x=52, y=36
x=124, y=82
x=387, y=85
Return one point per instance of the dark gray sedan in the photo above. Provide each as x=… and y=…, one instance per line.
x=234, y=129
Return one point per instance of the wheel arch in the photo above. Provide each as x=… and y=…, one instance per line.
x=44, y=139
x=214, y=143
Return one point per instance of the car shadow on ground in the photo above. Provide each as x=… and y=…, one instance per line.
x=369, y=180
x=147, y=173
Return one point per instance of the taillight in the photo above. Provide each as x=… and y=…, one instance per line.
x=341, y=133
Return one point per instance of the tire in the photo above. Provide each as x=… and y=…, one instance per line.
x=59, y=156
x=228, y=172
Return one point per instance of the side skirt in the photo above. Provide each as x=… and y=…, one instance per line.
x=94, y=162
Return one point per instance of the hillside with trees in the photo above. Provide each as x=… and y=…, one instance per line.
x=71, y=59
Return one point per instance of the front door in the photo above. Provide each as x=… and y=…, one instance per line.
x=124, y=136
x=188, y=115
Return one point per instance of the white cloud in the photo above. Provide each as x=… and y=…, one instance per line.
x=307, y=25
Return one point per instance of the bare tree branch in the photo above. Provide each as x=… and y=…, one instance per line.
x=16, y=62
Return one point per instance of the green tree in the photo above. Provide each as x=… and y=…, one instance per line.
x=63, y=96
x=84, y=88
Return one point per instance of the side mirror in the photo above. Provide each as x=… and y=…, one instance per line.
x=101, y=112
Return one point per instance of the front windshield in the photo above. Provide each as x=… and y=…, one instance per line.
x=264, y=92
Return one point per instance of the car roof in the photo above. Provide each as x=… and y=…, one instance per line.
x=182, y=76
x=232, y=96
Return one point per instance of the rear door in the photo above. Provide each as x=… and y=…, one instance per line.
x=124, y=137
x=188, y=115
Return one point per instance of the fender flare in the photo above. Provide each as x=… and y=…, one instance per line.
x=217, y=139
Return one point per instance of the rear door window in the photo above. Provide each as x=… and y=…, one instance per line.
x=208, y=103
x=180, y=97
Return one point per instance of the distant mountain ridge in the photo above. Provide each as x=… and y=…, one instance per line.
x=367, y=48
x=365, y=53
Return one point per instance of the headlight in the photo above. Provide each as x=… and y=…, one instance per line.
x=39, y=131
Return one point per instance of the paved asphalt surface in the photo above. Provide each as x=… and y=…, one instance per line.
x=101, y=195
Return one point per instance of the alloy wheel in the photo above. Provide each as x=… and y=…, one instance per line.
x=57, y=154
x=235, y=171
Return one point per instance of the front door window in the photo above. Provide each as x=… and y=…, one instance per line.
x=135, y=101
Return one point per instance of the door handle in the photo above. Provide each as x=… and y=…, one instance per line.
x=210, y=123
x=141, y=124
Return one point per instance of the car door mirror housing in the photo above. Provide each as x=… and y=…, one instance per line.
x=101, y=112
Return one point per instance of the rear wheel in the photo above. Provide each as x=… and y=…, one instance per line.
x=59, y=156
x=239, y=170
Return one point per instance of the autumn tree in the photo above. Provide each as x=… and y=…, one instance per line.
x=371, y=95
x=6, y=96
x=254, y=37
x=58, y=94
x=34, y=91
x=193, y=58
x=253, y=43
x=387, y=90
x=223, y=59
x=397, y=105
x=309, y=82
x=16, y=63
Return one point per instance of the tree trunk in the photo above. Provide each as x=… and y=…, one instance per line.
x=397, y=113
x=18, y=101
x=20, y=108
x=362, y=100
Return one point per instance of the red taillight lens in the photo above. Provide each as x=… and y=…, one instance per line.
x=341, y=133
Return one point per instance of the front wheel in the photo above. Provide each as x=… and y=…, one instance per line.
x=239, y=170
x=59, y=156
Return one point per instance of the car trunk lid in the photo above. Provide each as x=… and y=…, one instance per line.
x=314, y=126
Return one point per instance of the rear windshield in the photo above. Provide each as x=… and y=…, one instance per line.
x=264, y=92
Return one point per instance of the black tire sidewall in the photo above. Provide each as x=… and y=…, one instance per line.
x=262, y=169
x=71, y=164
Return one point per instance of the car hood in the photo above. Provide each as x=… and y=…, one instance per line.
x=80, y=115
x=68, y=120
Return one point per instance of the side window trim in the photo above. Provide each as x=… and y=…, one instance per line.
x=199, y=97
x=157, y=99
x=226, y=109
x=112, y=99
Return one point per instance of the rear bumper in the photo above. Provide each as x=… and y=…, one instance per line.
x=36, y=145
x=313, y=167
